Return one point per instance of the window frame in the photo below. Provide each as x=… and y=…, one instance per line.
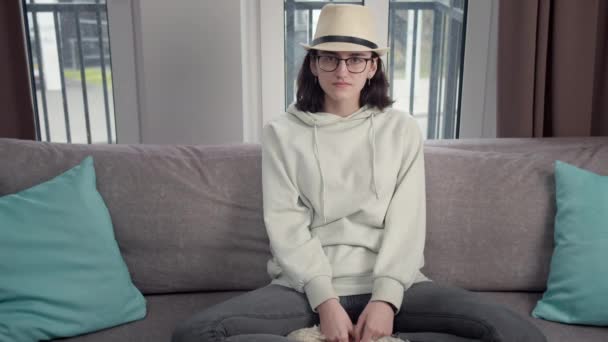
x=123, y=18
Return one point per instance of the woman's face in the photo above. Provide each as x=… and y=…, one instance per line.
x=343, y=84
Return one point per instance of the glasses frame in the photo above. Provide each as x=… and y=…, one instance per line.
x=367, y=59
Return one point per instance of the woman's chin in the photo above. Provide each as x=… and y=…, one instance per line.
x=342, y=95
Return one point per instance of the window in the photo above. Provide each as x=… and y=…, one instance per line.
x=425, y=62
x=424, y=65
x=69, y=54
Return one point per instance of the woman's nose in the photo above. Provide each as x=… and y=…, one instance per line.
x=342, y=69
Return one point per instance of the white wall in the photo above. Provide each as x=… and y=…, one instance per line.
x=478, y=111
x=126, y=108
x=188, y=59
x=489, y=118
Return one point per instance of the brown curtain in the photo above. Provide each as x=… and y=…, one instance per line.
x=16, y=111
x=552, y=68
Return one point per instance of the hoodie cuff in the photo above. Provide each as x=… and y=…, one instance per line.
x=318, y=290
x=388, y=290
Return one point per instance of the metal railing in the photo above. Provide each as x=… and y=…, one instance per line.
x=446, y=58
x=80, y=11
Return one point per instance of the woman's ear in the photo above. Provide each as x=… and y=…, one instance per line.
x=374, y=66
x=372, y=69
x=313, y=66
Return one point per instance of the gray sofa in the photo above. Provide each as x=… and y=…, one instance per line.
x=188, y=219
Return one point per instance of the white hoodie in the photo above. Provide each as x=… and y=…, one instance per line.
x=344, y=203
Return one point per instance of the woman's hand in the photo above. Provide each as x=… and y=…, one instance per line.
x=375, y=321
x=335, y=323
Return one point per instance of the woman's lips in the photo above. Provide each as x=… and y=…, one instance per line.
x=341, y=84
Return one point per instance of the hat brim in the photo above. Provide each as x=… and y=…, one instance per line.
x=339, y=46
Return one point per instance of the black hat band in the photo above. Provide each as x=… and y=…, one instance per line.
x=344, y=39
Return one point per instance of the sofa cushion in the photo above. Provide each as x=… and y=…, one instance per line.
x=578, y=284
x=166, y=311
x=523, y=303
x=61, y=272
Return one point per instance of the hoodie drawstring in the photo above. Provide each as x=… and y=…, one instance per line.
x=373, y=147
x=321, y=173
x=372, y=141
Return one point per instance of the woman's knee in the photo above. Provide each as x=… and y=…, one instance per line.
x=257, y=311
x=201, y=327
x=465, y=313
x=511, y=326
x=496, y=322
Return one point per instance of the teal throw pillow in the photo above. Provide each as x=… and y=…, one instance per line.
x=61, y=271
x=577, y=288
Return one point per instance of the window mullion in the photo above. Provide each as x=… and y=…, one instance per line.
x=380, y=10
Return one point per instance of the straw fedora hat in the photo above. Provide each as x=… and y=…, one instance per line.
x=346, y=27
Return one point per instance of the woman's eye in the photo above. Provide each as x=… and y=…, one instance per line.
x=356, y=60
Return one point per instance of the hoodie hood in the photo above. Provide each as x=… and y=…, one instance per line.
x=318, y=119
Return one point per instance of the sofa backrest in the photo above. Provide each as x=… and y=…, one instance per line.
x=186, y=218
x=491, y=208
x=189, y=218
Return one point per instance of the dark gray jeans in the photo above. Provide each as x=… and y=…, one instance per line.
x=430, y=312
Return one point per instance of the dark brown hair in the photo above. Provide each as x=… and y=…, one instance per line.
x=310, y=95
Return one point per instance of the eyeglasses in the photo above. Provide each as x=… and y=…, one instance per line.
x=353, y=64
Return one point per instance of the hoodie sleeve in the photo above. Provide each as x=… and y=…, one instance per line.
x=287, y=222
x=401, y=254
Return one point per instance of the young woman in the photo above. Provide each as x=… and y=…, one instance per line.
x=345, y=212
